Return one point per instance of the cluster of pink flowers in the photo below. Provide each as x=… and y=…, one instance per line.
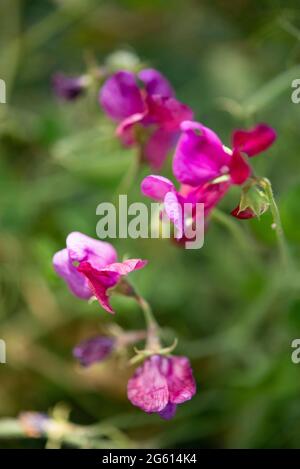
x=150, y=118
x=89, y=268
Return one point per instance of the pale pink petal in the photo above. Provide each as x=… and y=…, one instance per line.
x=75, y=280
x=181, y=383
x=156, y=187
x=148, y=388
x=83, y=248
x=254, y=141
x=174, y=211
x=125, y=267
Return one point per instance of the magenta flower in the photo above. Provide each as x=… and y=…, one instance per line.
x=161, y=383
x=68, y=88
x=148, y=116
x=94, y=349
x=89, y=267
x=163, y=190
x=200, y=156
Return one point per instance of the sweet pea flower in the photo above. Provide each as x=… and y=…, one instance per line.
x=163, y=190
x=89, y=267
x=69, y=88
x=201, y=157
x=94, y=349
x=160, y=384
x=148, y=116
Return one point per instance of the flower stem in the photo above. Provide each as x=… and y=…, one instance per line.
x=282, y=245
x=153, y=342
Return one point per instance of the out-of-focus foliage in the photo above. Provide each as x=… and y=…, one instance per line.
x=233, y=310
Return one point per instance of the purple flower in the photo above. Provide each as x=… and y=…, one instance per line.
x=148, y=117
x=94, y=349
x=161, y=383
x=68, y=88
x=89, y=267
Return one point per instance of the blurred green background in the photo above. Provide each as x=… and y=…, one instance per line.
x=231, y=305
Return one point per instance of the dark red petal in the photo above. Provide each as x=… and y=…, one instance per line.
x=254, y=141
x=243, y=214
x=240, y=171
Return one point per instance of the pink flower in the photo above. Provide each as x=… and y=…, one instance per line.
x=163, y=190
x=161, y=383
x=200, y=156
x=206, y=170
x=148, y=117
x=89, y=267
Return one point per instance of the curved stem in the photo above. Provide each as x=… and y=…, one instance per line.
x=153, y=342
x=283, y=248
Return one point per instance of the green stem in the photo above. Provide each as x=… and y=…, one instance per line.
x=282, y=245
x=153, y=342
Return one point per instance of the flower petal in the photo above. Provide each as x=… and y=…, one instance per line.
x=100, y=281
x=120, y=96
x=240, y=171
x=174, y=211
x=168, y=412
x=158, y=147
x=125, y=267
x=243, y=214
x=199, y=155
x=84, y=248
x=210, y=194
x=156, y=187
x=93, y=350
x=254, y=141
x=181, y=383
x=126, y=129
x=148, y=388
x=76, y=281
x=155, y=82
x=168, y=113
